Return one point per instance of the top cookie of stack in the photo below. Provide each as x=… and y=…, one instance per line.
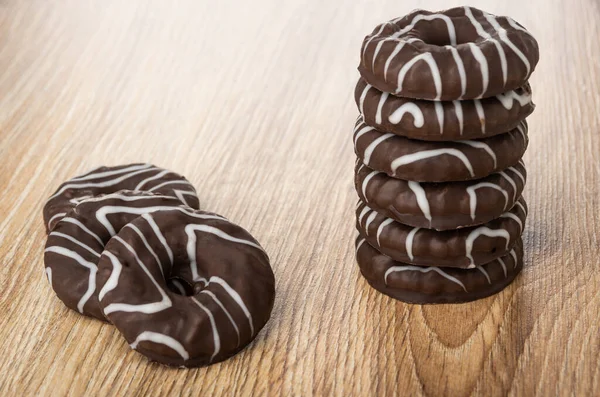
x=443, y=99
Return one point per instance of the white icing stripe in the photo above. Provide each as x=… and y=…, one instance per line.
x=484, y=146
x=487, y=276
x=472, y=192
x=48, y=271
x=501, y=261
x=113, y=279
x=504, y=37
x=480, y=114
x=409, y=242
x=439, y=111
x=148, y=247
x=361, y=102
x=513, y=254
x=177, y=182
x=84, y=228
x=370, y=220
x=108, y=183
x=391, y=57
x=483, y=231
x=461, y=71
x=515, y=218
x=121, y=197
x=104, y=174
x=382, y=99
x=77, y=242
x=180, y=195
x=369, y=150
x=213, y=325
x=508, y=99
x=231, y=320
x=512, y=183
x=458, y=110
x=161, y=339
x=516, y=171
x=413, y=110
x=233, y=294
x=373, y=37
x=151, y=178
x=421, y=197
x=483, y=66
x=146, y=308
x=423, y=270
x=361, y=132
x=359, y=244
x=59, y=215
x=482, y=33
x=177, y=284
x=363, y=212
x=381, y=227
x=435, y=72
x=366, y=182
x=159, y=235
x=522, y=207
x=89, y=265
x=425, y=154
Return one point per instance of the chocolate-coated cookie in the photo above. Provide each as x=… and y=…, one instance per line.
x=443, y=121
x=106, y=180
x=225, y=294
x=75, y=244
x=425, y=285
x=425, y=161
x=440, y=206
x=460, y=248
x=460, y=53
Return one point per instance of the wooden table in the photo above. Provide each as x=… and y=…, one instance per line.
x=252, y=101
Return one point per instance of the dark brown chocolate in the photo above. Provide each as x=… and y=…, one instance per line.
x=427, y=285
x=425, y=161
x=75, y=244
x=223, y=295
x=460, y=53
x=440, y=206
x=443, y=121
x=106, y=180
x=460, y=248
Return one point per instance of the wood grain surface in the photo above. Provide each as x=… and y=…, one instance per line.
x=252, y=101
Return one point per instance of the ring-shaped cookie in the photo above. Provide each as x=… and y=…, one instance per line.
x=427, y=285
x=440, y=206
x=460, y=53
x=461, y=248
x=225, y=275
x=443, y=121
x=425, y=161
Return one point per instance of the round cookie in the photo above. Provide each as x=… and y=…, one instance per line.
x=440, y=206
x=443, y=121
x=106, y=180
x=427, y=285
x=74, y=246
x=461, y=248
x=227, y=290
x=424, y=161
x=460, y=53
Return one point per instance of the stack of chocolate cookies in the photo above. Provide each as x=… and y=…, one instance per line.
x=443, y=99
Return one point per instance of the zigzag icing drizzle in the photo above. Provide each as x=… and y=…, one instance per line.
x=451, y=30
